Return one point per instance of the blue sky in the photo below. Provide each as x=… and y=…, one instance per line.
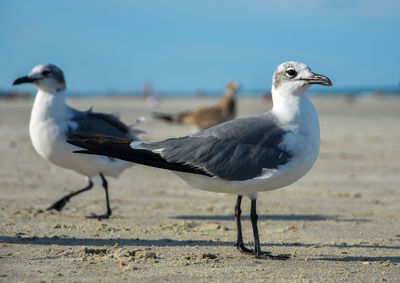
x=186, y=45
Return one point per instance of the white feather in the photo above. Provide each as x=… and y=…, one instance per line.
x=49, y=123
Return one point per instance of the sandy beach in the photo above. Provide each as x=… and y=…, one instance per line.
x=341, y=222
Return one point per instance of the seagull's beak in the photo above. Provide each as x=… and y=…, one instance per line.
x=319, y=80
x=23, y=80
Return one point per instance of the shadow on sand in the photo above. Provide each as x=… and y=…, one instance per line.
x=393, y=259
x=166, y=242
x=275, y=217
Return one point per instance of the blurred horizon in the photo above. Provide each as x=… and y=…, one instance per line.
x=179, y=48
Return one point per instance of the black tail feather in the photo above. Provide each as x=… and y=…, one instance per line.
x=120, y=148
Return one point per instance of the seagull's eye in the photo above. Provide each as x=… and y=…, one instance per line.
x=291, y=73
x=45, y=73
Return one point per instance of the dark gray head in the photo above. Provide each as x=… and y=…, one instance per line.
x=295, y=78
x=46, y=77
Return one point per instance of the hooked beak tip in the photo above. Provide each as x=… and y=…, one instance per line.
x=22, y=80
x=322, y=80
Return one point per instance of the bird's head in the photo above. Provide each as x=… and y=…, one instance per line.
x=231, y=88
x=233, y=85
x=295, y=78
x=46, y=77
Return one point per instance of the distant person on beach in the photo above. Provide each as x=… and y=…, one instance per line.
x=152, y=100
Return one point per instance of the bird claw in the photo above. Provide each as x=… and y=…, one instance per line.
x=241, y=248
x=268, y=255
x=261, y=255
x=99, y=217
x=58, y=205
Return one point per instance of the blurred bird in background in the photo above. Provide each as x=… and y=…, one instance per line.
x=207, y=117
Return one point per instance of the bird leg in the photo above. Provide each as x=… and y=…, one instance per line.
x=257, y=250
x=59, y=205
x=239, y=242
x=108, y=213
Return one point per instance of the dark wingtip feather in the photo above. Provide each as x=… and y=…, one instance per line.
x=82, y=151
x=98, y=138
x=120, y=148
x=84, y=135
x=75, y=142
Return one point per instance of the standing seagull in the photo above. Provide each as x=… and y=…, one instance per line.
x=207, y=117
x=242, y=156
x=53, y=121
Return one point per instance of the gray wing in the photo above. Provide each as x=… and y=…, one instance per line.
x=235, y=150
x=99, y=123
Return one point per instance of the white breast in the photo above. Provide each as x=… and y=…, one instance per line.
x=48, y=126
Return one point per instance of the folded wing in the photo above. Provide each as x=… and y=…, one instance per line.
x=100, y=123
x=236, y=150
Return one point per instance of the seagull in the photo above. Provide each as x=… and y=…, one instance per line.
x=207, y=117
x=242, y=156
x=52, y=121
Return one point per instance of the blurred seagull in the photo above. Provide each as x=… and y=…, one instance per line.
x=243, y=156
x=207, y=117
x=53, y=121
